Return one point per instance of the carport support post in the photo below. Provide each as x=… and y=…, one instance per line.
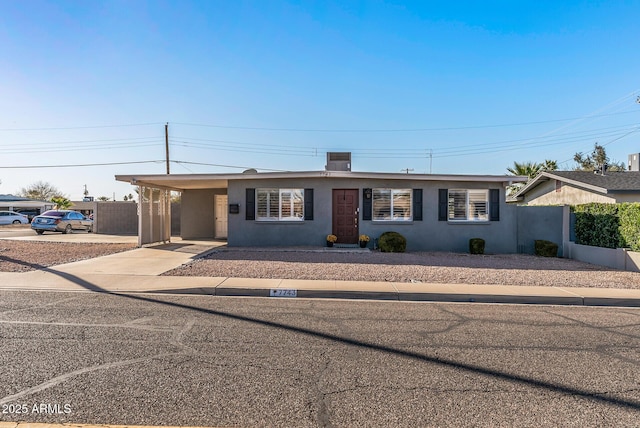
x=165, y=215
x=141, y=213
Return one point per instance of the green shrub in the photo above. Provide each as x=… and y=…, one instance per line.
x=546, y=248
x=598, y=225
x=392, y=242
x=629, y=214
x=476, y=246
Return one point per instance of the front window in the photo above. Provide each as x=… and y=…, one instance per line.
x=469, y=205
x=280, y=204
x=392, y=204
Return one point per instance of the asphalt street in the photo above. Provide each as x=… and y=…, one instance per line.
x=222, y=361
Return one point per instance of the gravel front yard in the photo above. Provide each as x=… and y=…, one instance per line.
x=514, y=269
x=22, y=256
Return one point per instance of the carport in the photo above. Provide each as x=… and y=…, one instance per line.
x=154, y=206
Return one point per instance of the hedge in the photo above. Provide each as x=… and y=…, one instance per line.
x=629, y=214
x=608, y=225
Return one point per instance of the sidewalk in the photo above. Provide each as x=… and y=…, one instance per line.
x=133, y=272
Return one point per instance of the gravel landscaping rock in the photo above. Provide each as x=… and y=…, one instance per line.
x=22, y=256
x=303, y=263
x=452, y=268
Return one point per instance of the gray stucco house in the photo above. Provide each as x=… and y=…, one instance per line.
x=579, y=187
x=434, y=212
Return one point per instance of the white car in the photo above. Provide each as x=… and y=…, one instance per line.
x=12, y=217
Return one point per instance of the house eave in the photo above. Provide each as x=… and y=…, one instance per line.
x=181, y=182
x=546, y=176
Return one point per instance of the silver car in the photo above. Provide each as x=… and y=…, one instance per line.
x=65, y=221
x=12, y=217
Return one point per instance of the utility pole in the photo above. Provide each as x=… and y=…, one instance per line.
x=166, y=143
x=407, y=170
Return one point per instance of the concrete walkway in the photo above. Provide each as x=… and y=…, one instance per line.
x=139, y=270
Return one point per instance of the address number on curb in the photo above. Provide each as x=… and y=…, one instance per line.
x=283, y=292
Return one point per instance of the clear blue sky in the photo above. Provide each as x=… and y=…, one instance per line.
x=463, y=87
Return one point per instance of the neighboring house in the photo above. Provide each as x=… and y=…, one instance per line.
x=579, y=187
x=434, y=212
x=27, y=206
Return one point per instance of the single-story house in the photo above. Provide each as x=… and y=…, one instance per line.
x=579, y=187
x=30, y=207
x=434, y=212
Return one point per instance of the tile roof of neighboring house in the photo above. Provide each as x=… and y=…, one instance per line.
x=611, y=182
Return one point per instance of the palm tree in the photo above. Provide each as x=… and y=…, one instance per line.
x=61, y=202
x=528, y=169
x=549, y=165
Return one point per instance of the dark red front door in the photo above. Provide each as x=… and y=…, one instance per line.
x=345, y=215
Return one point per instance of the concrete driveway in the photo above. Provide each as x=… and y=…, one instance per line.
x=25, y=233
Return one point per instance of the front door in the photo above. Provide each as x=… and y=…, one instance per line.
x=345, y=215
x=221, y=215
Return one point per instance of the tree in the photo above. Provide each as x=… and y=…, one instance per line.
x=40, y=191
x=596, y=160
x=61, y=202
x=103, y=198
x=529, y=169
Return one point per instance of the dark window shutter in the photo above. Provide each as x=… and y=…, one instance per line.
x=367, y=204
x=494, y=204
x=308, y=204
x=417, y=204
x=251, y=204
x=443, y=204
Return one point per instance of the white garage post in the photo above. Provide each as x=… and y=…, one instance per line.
x=154, y=216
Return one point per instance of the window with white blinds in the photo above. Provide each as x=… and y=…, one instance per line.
x=280, y=204
x=468, y=205
x=392, y=204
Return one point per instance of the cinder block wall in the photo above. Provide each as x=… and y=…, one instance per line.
x=538, y=223
x=117, y=218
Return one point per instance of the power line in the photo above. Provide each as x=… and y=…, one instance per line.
x=79, y=165
x=229, y=166
x=453, y=128
x=50, y=143
x=66, y=128
x=71, y=148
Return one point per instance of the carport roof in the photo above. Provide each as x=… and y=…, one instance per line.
x=220, y=181
x=13, y=198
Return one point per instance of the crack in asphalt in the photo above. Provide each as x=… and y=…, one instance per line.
x=70, y=375
x=45, y=305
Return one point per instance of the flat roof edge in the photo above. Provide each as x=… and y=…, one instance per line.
x=320, y=174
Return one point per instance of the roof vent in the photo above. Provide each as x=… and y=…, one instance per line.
x=338, y=161
x=250, y=171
